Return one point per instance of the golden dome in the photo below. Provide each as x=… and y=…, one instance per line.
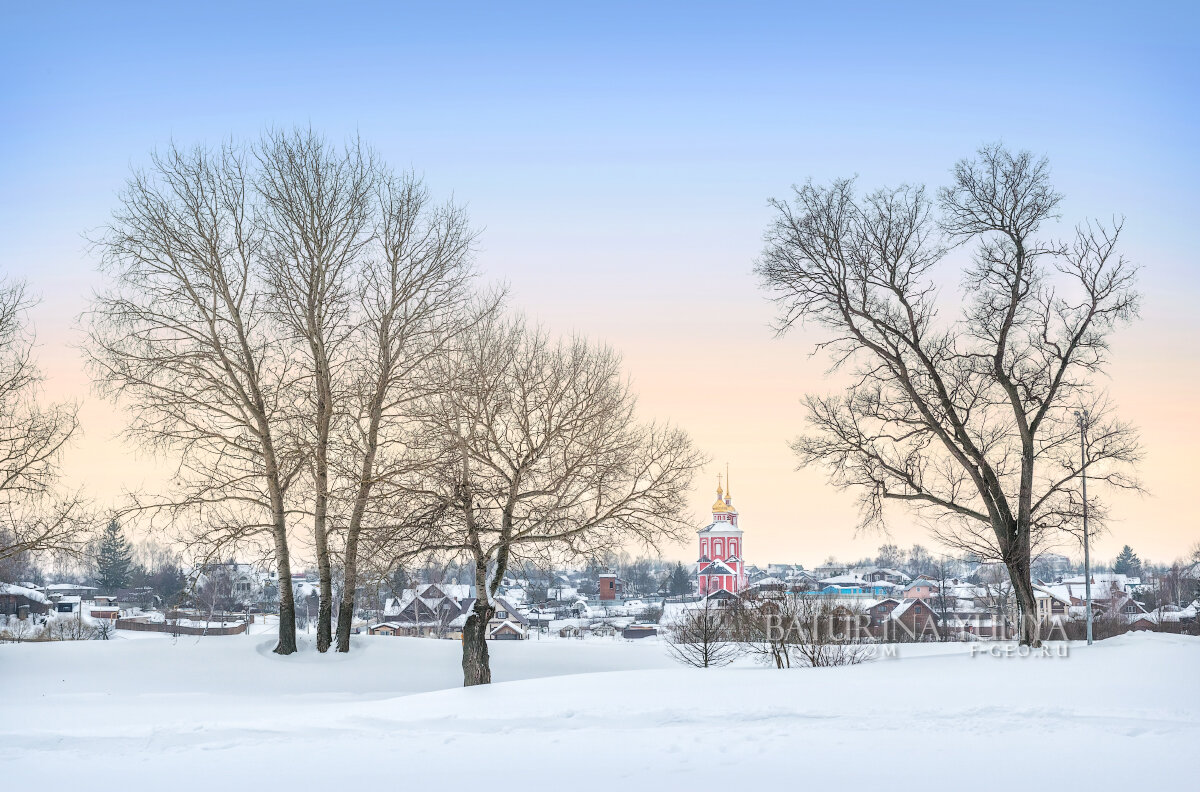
x=720, y=506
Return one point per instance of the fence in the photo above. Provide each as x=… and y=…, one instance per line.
x=179, y=629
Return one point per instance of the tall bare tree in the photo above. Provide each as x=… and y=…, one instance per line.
x=318, y=207
x=35, y=515
x=182, y=336
x=970, y=420
x=534, y=444
x=414, y=305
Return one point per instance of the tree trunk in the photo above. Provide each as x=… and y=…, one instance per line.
x=321, y=506
x=325, y=606
x=1019, y=573
x=477, y=669
x=346, y=608
x=354, y=529
x=287, y=606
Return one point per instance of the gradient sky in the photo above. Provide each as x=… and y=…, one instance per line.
x=619, y=158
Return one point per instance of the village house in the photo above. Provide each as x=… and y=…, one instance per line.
x=829, y=570
x=921, y=588
x=104, y=608
x=915, y=619
x=506, y=624
x=22, y=602
x=767, y=584
x=1052, y=607
x=440, y=610
x=635, y=631
x=427, y=610
x=879, y=614
x=876, y=574
x=611, y=586
x=55, y=590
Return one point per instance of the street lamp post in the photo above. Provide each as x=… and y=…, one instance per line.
x=1081, y=416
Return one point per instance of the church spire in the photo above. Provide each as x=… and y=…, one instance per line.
x=722, y=504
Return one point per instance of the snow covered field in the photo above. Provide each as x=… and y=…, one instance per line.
x=197, y=714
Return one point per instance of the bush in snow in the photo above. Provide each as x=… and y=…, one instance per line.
x=704, y=636
x=789, y=630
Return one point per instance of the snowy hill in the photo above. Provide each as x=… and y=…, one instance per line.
x=132, y=714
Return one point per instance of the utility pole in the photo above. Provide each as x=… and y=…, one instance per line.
x=1082, y=417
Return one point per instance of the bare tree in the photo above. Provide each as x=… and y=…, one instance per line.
x=704, y=636
x=801, y=630
x=182, y=336
x=533, y=444
x=104, y=629
x=36, y=516
x=414, y=294
x=970, y=421
x=70, y=628
x=824, y=632
x=317, y=218
x=758, y=626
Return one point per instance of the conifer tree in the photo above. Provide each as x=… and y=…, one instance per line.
x=1128, y=563
x=114, y=562
x=679, y=581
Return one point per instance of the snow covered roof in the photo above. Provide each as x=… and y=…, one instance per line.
x=717, y=568
x=21, y=591
x=1059, y=593
x=906, y=605
x=511, y=613
x=721, y=527
x=515, y=627
x=1105, y=579
x=841, y=580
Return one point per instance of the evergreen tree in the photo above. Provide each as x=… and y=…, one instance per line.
x=679, y=581
x=114, y=562
x=1128, y=563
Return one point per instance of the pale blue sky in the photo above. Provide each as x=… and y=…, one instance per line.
x=620, y=156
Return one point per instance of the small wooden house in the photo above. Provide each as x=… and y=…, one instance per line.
x=21, y=602
x=386, y=628
x=636, y=631
x=506, y=631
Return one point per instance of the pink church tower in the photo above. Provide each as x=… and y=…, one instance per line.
x=721, y=565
